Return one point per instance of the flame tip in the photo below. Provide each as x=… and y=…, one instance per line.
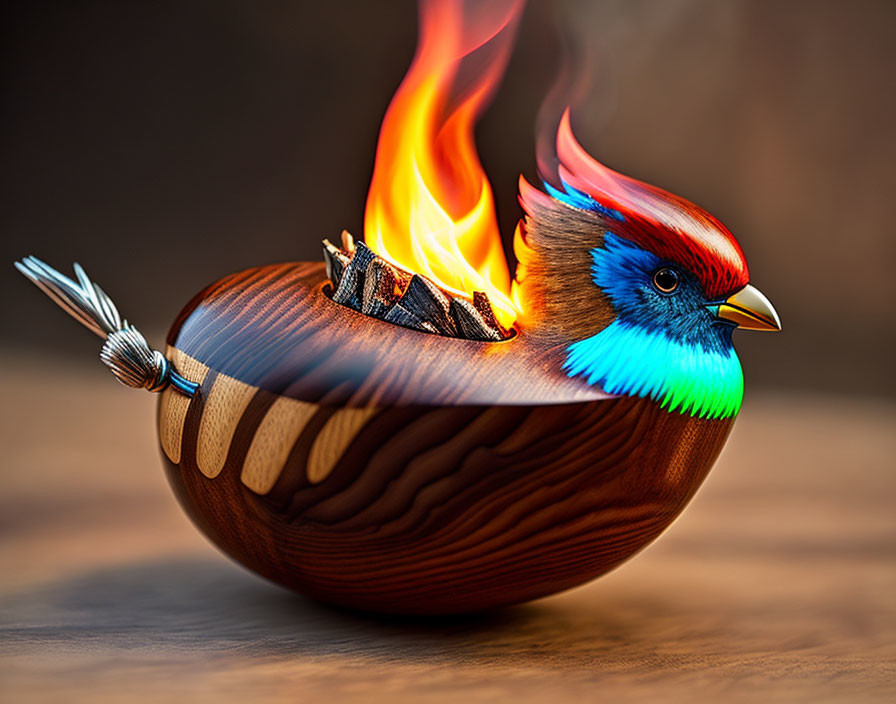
x=430, y=207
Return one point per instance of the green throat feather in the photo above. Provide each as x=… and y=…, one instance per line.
x=629, y=361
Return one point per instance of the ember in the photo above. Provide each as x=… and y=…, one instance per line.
x=371, y=285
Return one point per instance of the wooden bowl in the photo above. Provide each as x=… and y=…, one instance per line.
x=379, y=468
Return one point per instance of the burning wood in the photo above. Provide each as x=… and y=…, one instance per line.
x=383, y=284
x=335, y=261
x=368, y=283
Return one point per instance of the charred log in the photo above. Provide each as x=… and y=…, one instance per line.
x=371, y=285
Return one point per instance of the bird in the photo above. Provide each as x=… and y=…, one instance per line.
x=382, y=468
x=399, y=428
x=668, y=283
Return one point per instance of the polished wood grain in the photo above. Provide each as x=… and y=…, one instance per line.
x=451, y=509
x=270, y=447
x=340, y=470
x=275, y=328
x=226, y=403
x=173, y=405
x=334, y=439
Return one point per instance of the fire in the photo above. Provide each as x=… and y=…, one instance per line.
x=430, y=208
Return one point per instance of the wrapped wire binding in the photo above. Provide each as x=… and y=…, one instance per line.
x=125, y=351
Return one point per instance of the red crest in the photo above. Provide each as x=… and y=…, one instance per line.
x=661, y=222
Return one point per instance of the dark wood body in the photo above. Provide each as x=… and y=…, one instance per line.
x=321, y=454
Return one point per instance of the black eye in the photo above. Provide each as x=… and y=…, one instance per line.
x=665, y=279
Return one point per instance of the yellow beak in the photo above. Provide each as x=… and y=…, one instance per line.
x=751, y=310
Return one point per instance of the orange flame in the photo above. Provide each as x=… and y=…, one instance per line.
x=430, y=207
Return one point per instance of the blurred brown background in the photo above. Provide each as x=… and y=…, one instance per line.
x=165, y=144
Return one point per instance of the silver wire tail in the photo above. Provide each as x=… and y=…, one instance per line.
x=125, y=351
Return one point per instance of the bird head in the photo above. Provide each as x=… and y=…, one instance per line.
x=638, y=288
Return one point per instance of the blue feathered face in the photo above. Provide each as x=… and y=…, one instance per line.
x=658, y=296
x=666, y=342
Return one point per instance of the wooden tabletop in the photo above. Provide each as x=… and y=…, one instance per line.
x=776, y=584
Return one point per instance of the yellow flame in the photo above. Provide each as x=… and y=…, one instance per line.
x=430, y=207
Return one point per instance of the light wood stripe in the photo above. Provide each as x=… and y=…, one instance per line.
x=226, y=402
x=173, y=405
x=273, y=441
x=333, y=439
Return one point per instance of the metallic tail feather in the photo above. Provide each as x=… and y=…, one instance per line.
x=125, y=351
